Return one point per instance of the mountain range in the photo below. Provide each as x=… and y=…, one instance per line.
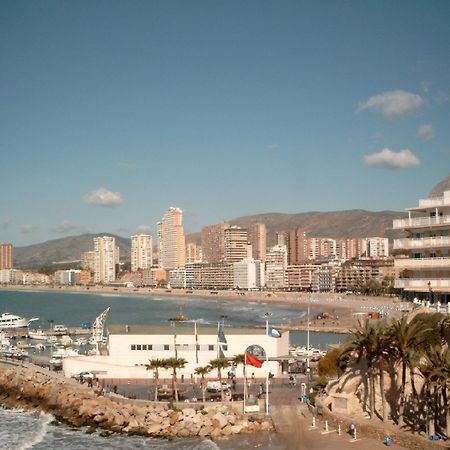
x=336, y=224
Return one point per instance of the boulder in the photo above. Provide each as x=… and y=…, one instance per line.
x=219, y=420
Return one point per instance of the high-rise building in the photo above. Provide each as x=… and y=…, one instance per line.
x=171, y=240
x=6, y=256
x=236, y=244
x=257, y=236
x=296, y=242
x=141, y=251
x=276, y=264
x=88, y=261
x=193, y=253
x=105, y=259
x=213, y=242
x=425, y=259
x=377, y=247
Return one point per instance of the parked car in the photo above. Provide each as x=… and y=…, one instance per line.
x=84, y=376
x=214, y=386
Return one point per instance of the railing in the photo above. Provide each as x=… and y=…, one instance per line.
x=418, y=222
x=405, y=283
x=428, y=242
x=422, y=263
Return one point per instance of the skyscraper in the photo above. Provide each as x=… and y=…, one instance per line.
x=213, y=242
x=171, y=240
x=236, y=244
x=105, y=259
x=141, y=251
x=6, y=256
x=257, y=236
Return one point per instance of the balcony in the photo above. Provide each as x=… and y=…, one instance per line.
x=420, y=222
x=422, y=263
x=422, y=285
x=428, y=242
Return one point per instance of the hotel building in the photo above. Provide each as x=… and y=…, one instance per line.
x=6, y=256
x=172, y=251
x=276, y=264
x=236, y=244
x=257, y=236
x=141, y=251
x=213, y=242
x=424, y=255
x=105, y=259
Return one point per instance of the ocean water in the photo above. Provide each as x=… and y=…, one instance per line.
x=20, y=430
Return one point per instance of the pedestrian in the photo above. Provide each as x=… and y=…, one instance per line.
x=115, y=389
x=107, y=389
x=294, y=380
x=261, y=389
x=291, y=381
x=253, y=377
x=233, y=384
x=352, y=429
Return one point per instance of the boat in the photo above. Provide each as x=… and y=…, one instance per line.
x=38, y=335
x=180, y=318
x=11, y=321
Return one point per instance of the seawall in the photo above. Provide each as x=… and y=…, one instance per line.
x=27, y=386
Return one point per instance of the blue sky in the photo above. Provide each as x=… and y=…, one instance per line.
x=113, y=111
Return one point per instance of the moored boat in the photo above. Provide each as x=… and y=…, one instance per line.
x=11, y=321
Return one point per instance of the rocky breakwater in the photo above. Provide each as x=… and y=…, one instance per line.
x=80, y=406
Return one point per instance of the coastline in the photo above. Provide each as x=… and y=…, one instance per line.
x=330, y=312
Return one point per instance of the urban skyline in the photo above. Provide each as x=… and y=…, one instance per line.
x=112, y=112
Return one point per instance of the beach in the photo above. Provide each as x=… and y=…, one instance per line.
x=330, y=312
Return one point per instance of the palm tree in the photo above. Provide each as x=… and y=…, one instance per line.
x=407, y=339
x=220, y=364
x=156, y=364
x=365, y=345
x=174, y=364
x=203, y=371
x=239, y=359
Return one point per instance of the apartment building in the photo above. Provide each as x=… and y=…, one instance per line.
x=300, y=277
x=276, y=264
x=216, y=276
x=88, y=261
x=172, y=246
x=248, y=274
x=193, y=253
x=213, y=242
x=105, y=259
x=141, y=251
x=237, y=246
x=177, y=278
x=377, y=247
x=6, y=256
x=423, y=256
x=257, y=237
x=296, y=242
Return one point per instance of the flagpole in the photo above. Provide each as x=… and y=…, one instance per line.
x=196, y=341
x=267, y=384
x=245, y=379
x=218, y=329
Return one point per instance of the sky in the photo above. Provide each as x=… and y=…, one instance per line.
x=113, y=111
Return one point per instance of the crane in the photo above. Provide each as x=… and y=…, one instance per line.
x=97, y=329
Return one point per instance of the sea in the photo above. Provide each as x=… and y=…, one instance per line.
x=20, y=430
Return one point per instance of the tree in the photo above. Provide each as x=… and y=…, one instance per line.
x=220, y=364
x=407, y=339
x=203, y=371
x=239, y=359
x=174, y=364
x=156, y=364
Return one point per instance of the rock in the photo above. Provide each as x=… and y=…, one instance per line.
x=91, y=430
x=154, y=428
x=188, y=412
x=219, y=420
x=205, y=431
x=175, y=416
x=99, y=418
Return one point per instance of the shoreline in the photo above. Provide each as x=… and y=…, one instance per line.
x=330, y=312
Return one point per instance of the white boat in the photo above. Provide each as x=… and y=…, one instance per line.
x=66, y=340
x=39, y=335
x=11, y=321
x=81, y=341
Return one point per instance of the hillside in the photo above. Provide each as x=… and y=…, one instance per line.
x=62, y=250
x=335, y=224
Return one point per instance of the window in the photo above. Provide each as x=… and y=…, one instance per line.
x=144, y=347
x=138, y=347
x=166, y=347
x=211, y=348
x=133, y=347
x=150, y=347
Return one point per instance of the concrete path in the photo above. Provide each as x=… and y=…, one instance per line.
x=294, y=424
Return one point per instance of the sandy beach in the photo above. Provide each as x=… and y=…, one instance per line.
x=333, y=313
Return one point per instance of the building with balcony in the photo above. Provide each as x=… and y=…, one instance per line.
x=141, y=251
x=172, y=247
x=248, y=274
x=216, y=276
x=105, y=259
x=6, y=256
x=423, y=256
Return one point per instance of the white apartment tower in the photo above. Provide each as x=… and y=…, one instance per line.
x=141, y=251
x=424, y=262
x=105, y=259
x=171, y=240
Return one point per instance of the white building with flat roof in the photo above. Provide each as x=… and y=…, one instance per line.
x=248, y=274
x=131, y=347
x=141, y=251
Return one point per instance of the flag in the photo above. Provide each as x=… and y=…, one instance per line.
x=252, y=360
x=272, y=332
x=221, y=339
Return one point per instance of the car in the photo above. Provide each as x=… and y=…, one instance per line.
x=84, y=376
x=214, y=386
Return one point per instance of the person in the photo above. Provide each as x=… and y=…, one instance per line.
x=115, y=389
x=389, y=441
x=352, y=429
x=294, y=380
x=261, y=389
x=233, y=384
x=291, y=380
x=107, y=389
x=253, y=377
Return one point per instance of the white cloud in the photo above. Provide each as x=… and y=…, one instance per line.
x=64, y=226
x=28, y=228
x=426, y=132
x=392, y=160
x=393, y=103
x=103, y=197
x=143, y=229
